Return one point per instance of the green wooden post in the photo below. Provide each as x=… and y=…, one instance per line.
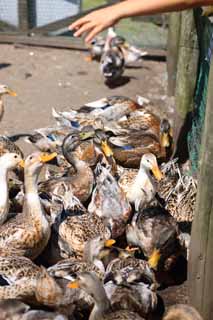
x=187, y=64
x=201, y=256
x=172, y=50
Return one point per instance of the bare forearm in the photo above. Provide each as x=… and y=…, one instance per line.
x=129, y=8
x=99, y=20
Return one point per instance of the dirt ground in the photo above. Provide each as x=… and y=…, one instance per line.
x=44, y=78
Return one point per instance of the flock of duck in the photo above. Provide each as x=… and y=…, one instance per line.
x=89, y=222
x=114, y=54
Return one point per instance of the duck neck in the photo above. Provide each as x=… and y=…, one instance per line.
x=33, y=206
x=1, y=108
x=102, y=304
x=4, y=199
x=78, y=164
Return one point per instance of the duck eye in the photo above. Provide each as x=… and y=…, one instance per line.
x=15, y=156
x=30, y=157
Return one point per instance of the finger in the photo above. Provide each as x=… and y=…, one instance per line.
x=85, y=28
x=78, y=23
x=93, y=33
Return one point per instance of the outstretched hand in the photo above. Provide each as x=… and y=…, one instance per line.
x=94, y=23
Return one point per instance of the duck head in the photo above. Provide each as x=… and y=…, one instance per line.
x=35, y=161
x=166, y=135
x=10, y=161
x=149, y=162
x=4, y=89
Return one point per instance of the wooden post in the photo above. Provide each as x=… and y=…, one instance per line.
x=172, y=50
x=23, y=14
x=187, y=64
x=201, y=256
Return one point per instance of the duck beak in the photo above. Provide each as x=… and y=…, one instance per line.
x=21, y=163
x=157, y=173
x=106, y=149
x=45, y=157
x=73, y=285
x=11, y=92
x=109, y=243
x=165, y=143
x=154, y=259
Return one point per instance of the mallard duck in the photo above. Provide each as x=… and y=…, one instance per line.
x=138, y=136
x=28, y=232
x=142, y=189
x=133, y=296
x=156, y=232
x=96, y=48
x=178, y=190
x=7, y=145
x=102, y=309
x=20, y=274
x=109, y=202
x=130, y=269
x=182, y=312
x=112, y=63
x=74, y=231
x=81, y=182
x=131, y=53
x=4, y=90
x=8, y=161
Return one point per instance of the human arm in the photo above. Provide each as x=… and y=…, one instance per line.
x=99, y=20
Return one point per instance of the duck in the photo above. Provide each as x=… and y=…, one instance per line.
x=182, y=312
x=112, y=64
x=8, y=162
x=28, y=232
x=142, y=189
x=5, y=90
x=109, y=202
x=12, y=309
x=156, y=233
x=102, y=309
x=81, y=182
x=131, y=53
x=137, y=137
x=76, y=229
x=134, y=295
x=96, y=48
x=19, y=275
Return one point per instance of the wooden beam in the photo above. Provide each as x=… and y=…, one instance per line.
x=173, y=50
x=201, y=253
x=187, y=64
x=56, y=42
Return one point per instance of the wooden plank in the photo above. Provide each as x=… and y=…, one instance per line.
x=173, y=50
x=201, y=255
x=56, y=42
x=187, y=64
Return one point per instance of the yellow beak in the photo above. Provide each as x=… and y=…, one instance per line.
x=73, y=285
x=109, y=243
x=21, y=163
x=154, y=259
x=45, y=157
x=106, y=149
x=165, y=143
x=11, y=92
x=157, y=173
x=131, y=249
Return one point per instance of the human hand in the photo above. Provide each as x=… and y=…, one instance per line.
x=95, y=22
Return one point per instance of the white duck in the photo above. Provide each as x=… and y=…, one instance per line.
x=3, y=91
x=142, y=189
